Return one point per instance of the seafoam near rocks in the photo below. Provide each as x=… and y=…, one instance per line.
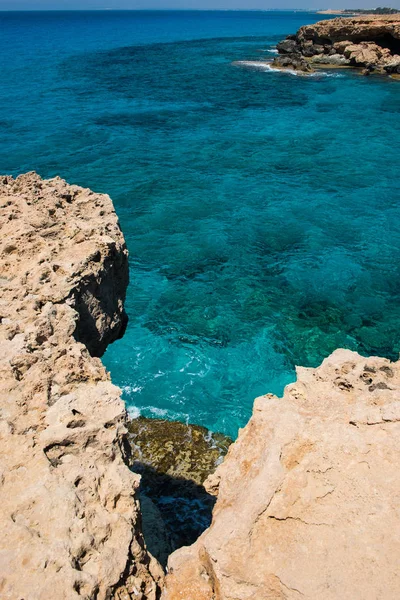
x=308, y=496
x=70, y=519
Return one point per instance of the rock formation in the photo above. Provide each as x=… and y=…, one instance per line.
x=69, y=510
x=368, y=42
x=308, y=496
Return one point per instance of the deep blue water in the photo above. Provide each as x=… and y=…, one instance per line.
x=261, y=210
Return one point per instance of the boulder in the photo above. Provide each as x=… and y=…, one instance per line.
x=340, y=47
x=288, y=46
x=393, y=65
x=294, y=62
x=332, y=59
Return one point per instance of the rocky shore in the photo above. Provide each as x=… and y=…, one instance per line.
x=369, y=43
x=305, y=504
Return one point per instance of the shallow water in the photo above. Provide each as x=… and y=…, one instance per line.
x=261, y=210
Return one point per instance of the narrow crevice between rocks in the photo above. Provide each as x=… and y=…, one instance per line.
x=174, y=460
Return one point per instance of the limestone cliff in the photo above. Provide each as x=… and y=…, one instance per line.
x=308, y=496
x=370, y=42
x=69, y=512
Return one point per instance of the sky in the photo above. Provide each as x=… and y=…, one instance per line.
x=188, y=4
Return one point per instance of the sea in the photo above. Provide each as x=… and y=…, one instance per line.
x=261, y=209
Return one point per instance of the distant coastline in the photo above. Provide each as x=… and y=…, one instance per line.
x=351, y=13
x=330, y=12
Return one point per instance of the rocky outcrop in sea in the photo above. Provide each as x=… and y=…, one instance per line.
x=371, y=43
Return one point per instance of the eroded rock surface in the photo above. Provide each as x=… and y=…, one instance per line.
x=308, y=496
x=69, y=511
x=369, y=42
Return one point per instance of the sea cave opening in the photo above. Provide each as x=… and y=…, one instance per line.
x=390, y=42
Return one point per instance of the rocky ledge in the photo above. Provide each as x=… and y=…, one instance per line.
x=371, y=43
x=69, y=509
x=308, y=496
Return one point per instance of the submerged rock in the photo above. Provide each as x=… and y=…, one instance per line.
x=69, y=507
x=308, y=494
x=174, y=460
x=187, y=452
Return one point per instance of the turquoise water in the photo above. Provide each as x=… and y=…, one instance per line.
x=261, y=210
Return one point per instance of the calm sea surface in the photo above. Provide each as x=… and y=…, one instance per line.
x=261, y=210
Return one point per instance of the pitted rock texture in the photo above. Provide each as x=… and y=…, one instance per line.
x=368, y=42
x=69, y=509
x=308, y=496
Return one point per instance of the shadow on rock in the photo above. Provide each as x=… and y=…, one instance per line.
x=174, y=459
x=175, y=511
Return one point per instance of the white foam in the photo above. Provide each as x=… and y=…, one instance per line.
x=324, y=74
x=159, y=374
x=131, y=389
x=133, y=412
x=266, y=67
x=159, y=412
x=255, y=64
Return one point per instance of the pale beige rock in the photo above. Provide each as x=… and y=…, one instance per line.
x=366, y=28
x=367, y=53
x=308, y=496
x=69, y=511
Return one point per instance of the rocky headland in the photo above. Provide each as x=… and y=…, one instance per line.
x=305, y=504
x=370, y=43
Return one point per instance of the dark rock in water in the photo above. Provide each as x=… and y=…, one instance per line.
x=174, y=459
x=293, y=62
x=288, y=46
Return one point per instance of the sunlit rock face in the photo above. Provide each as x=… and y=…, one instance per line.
x=308, y=495
x=69, y=506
